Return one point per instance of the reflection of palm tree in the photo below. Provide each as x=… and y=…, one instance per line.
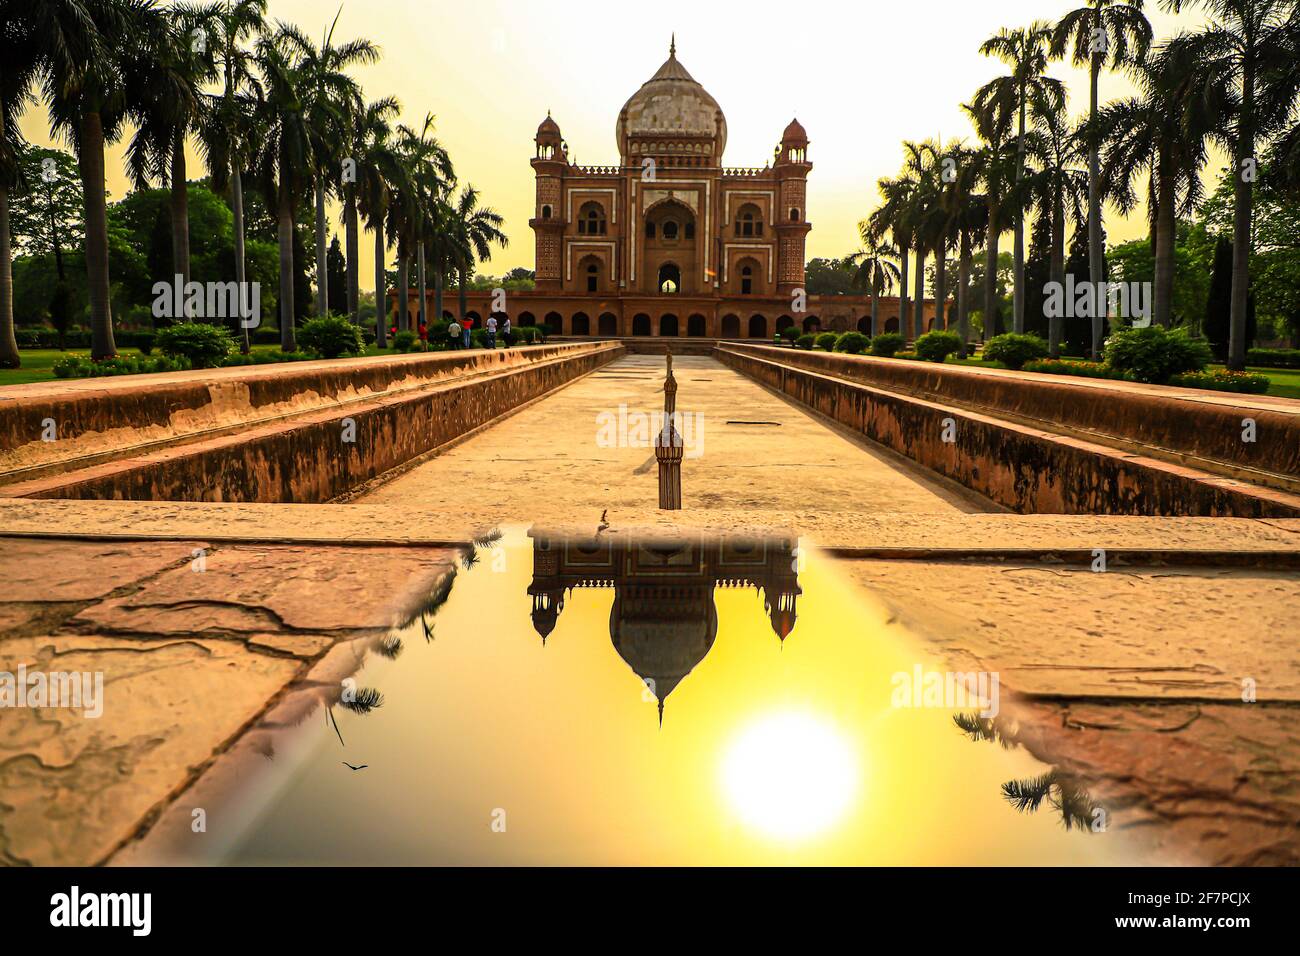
x=993, y=729
x=1062, y=792
x=365, y=700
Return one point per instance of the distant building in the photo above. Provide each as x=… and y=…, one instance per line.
x=670, y=242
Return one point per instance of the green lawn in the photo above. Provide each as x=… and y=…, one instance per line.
x=38, y=363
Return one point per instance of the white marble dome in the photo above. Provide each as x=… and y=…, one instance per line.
x=669, y=102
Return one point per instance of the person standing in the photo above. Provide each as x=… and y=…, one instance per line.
x=505, y=331
x=453, y=332
x=464, y=333
x=492, y=331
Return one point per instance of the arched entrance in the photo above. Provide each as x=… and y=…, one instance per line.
x=640, y=324
x=526, y=318
x=670, y=279
x=891, y=324
x=812, y=324
x=554, y=323
x=668, y=325
x=581, y=324
x=784, y=322
x=731, y=326
x=608, y=324
x=757, y=327
x=696, y=326
x=864, y=325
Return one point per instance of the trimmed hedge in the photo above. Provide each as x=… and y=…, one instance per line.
x=887, y=344
x=826, y=341
x=1153, y=354
x=330, y=337
x=1223, y=381
x=853, y=343
x=205, y=346
x=806, y=341
x=937, y=345
x=1014, y=349
x=1273, y=358
x=1081, y=369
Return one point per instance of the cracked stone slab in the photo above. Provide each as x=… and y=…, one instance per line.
x=33, y=569
x=1165, y=633
x=73, y=788
x=256, y=589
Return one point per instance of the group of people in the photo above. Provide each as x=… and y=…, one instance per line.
x=458, y=335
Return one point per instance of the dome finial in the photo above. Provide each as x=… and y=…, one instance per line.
x=672, y=46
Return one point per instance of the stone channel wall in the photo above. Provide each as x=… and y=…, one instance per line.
x=1023, y=468
x=323, y=447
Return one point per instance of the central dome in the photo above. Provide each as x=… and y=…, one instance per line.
x=672, y=102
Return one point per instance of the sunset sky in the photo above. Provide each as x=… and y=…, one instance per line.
x=860, y=77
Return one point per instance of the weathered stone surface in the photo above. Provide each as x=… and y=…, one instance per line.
x=1173, y=633
x=252, y=589
x=36, y=570
x=1208, y=784
x=73, y=787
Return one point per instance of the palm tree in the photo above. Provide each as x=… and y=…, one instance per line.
x=283, y=164
x=995, y=164
x=1250, y=49
x=474, y=230
x=227, y=126
x=875, y=270
x=918, y=169
x=1058, y=185
x=333, y=104
x=964, y=220
x=91, y=75
x=1162, y=131
x=1025, y=50
x=380, y=175
x=1104, y=32
x=894, y=218
x=19, y=66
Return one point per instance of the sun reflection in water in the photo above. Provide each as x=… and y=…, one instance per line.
x=790, y=776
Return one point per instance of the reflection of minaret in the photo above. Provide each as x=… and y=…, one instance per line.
x=782, y=611
x=546, y=590
x=668, y=448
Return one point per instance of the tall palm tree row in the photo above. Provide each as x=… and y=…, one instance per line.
x=1235, y=82
x=264, y=104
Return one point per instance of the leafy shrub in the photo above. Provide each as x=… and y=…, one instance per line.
x=887, y=344
x=937, y=345
x=267, y=358
x=854, y=343
x=405, y=340
x=1223, y=381
x=75, y=365
x=1014, y=349
x=1081, y=369
x=1153, y=354
x=789, y=334
x=806, y=341
x=826, y=341
x=331, y=336
x=203, y=345
x=144, y=342
x=1264, y=358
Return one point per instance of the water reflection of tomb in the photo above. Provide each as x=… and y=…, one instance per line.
x=663, y=621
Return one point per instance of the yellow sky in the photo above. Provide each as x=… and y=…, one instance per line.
x=860, y=76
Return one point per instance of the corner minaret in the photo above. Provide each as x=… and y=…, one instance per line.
x=791, y=169
x=550, y=163
x=668, y=448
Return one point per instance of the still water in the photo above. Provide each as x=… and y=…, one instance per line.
x=689, y=702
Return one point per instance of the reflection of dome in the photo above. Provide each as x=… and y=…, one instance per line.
x=672, y=102
x=663, y=631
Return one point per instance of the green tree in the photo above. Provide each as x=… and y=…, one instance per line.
x=336, y=268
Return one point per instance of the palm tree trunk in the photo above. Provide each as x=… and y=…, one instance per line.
x=284, y=232
x=180, y=215
x=1056, y=270
x=353, y=229
x=322, y=272
x=91, y=163
x=461, y=293
x=9, y=357
x=424, y=310
x=919, y=315
x=963, y=293
x=1096, y=248
x=940, y=283
x=991, y=318
x=381, y=290
x=875, y=306
x=1164, y=247
x=403, y=293
x=241, y=271
x=1241, y=223
x=904, y=312
x=437, y=293
x=1018, y=255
